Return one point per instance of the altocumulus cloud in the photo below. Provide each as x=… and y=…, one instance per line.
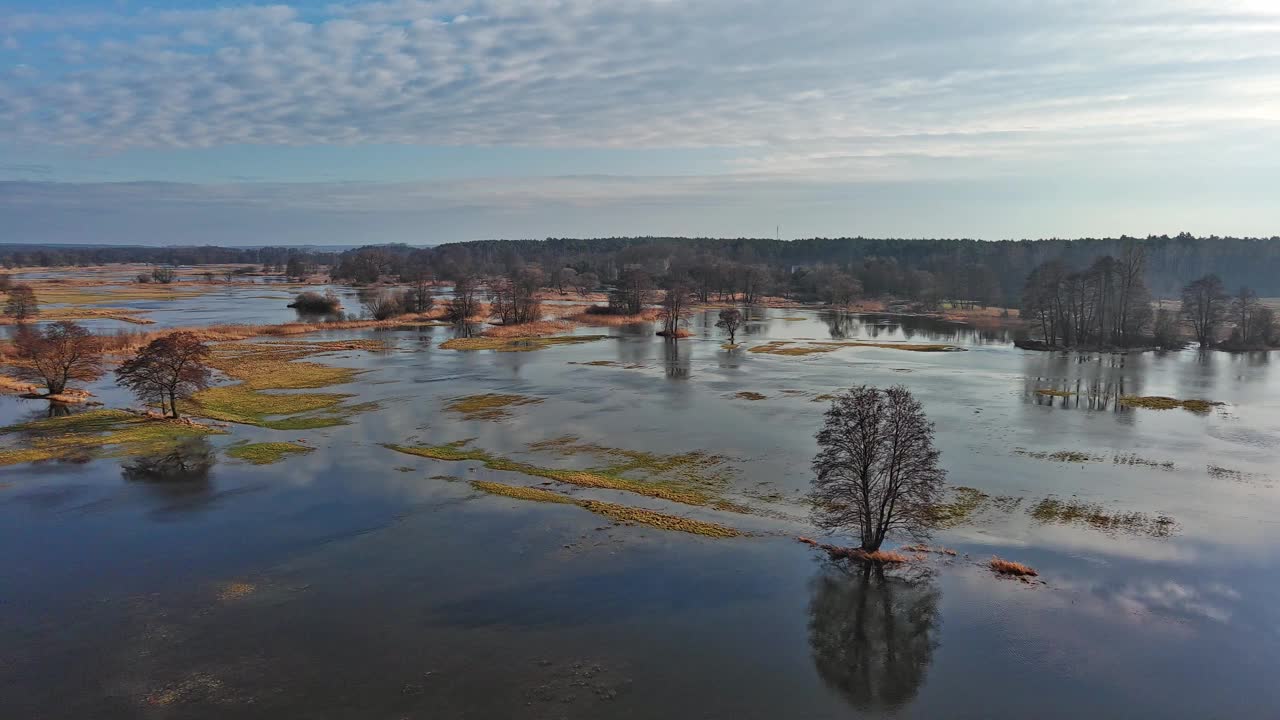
x=830, y=91
x=809, y=87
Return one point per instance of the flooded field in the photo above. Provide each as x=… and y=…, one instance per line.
x=456, y=548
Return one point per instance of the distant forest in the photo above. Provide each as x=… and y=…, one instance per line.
x=989, y=272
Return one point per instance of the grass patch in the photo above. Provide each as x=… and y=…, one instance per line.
x=276, y=366
x=609, y=478
x=749, y=395
x=518, y=344
x=266, y=453
x=109, y=433
x=488, y=406
x=618, y=513
x=1066, y=512
x=695, y=467
x=1009, y=567
x=232, y=591
x=1076, y=456
x=1158, y=402
x=965, y=501
x=788, y=348
x=879, y=557
x=791, y=348
x=1070, y=456
x=78, y=313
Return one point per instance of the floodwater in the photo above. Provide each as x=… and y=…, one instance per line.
x=359, y=582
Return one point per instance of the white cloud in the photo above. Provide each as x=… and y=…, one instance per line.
x=840, y=89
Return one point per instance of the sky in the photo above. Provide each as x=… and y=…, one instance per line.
x=428, y=121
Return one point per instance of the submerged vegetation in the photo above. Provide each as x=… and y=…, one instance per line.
x=1157, y=402
x=794, y=348
x=488, y=406
x=1053, y=510
x=678, y=489
x=266, y=453
x=516, y=344
x=625, y=514
x=963, y=503
x=95, y=433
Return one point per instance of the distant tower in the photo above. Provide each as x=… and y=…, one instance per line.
x=779, y=231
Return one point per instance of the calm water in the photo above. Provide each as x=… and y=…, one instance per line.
x=380, y=592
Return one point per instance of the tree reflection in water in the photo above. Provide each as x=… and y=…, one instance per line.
x=186, y=464
x=873, y=633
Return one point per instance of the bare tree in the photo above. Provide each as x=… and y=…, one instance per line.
x=876, y=470
x=1204, y=303
x=384, y=305
x=463, y=304
x=21, y=303
x=586, y=283
x=515, y=296
x=63, y=352
x=730, y=321
x=633, y=291
x=1244, y=309
x=674, y=303
x=168, y=368
x=164, y=275
x=419, y=297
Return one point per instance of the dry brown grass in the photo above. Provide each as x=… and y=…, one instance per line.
x=883, y=557
x=1009, y=567
x=13, y=385
x=533, y=329
x=678, y=334
x=625, y=514
x=605, y=320
x=749, y=395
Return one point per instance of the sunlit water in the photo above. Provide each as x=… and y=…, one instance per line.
x=380, y=592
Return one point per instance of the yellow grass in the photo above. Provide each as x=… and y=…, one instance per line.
x=275, y=366
x=1157, y=402
x=604, y=320
x=603, y=479
x=488, y=406
x=788, y=347
x=232, y=591
x=748, y=395
x=88, y=433
x=14, y=385
x=55, y=314
x=533, y=329
x=520, y=344
x=266, y=453
x=619, y=513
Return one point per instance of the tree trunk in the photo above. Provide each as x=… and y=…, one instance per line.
x=173, y=402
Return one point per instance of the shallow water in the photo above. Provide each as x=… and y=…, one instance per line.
x=355, y=582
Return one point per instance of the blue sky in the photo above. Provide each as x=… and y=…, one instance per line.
x=427, y=121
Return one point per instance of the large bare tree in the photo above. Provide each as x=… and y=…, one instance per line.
x=730, y=321
x=61, y=353
x=1204, y=304
x=876, y=472
x=168, y=368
